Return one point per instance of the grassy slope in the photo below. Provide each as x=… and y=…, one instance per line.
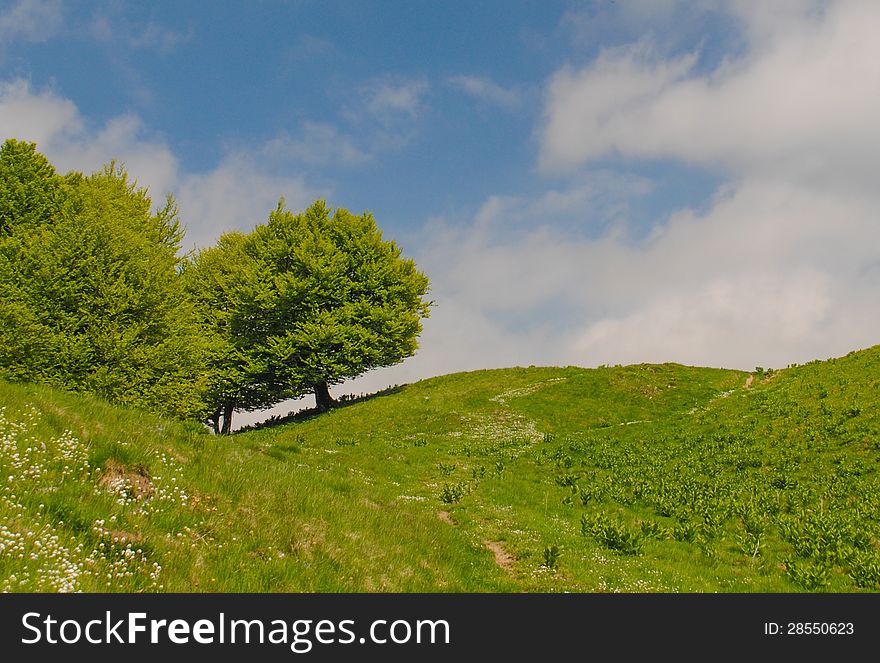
x=645, y=478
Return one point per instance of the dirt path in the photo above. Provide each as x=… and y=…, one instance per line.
x=502, y=558
x=445, y=517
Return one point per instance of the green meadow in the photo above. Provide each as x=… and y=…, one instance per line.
x=645, y=478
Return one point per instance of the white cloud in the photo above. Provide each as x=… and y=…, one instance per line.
x=63, y=135
x=746, y=320
x=390, y=100
x=486, y=90
x=237, y=194
x=764, y=21
x=36, y=116
x=318, y=143
x=784, y=264
x=31, y=20
x=805, y=95
x=766, y=276
x=148, y=160
x=585, y=109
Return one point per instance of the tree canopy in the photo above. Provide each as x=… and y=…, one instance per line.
x=90, y=297
x=303, y=302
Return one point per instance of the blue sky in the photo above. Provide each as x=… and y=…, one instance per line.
x=583, y=182
x=410, y=109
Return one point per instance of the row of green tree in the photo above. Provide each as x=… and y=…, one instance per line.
x=95, y=296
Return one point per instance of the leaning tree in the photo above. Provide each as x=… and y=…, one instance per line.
x=304, y=302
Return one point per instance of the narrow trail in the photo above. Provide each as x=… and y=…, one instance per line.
x=502, y=558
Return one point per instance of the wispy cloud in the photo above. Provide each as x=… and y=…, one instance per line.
x=671, y=25
x=316, y=144
x=486, y=90
x=159, y=38
x=386, y=112
x=389, y=100
x=31, y=20
x=308, y=47
x=113, y=27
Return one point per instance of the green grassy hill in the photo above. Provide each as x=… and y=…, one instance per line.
x=635, y=479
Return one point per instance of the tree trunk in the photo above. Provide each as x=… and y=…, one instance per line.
x=228, y=407
x=323, y=400
x=214, y=421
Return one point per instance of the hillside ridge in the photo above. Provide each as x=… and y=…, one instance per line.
x=640, y=478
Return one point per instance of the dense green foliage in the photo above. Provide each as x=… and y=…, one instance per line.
x=94, y=298
x=635, y=479
x=305, y=301
x=90, y=297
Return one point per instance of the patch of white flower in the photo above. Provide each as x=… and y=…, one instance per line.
x=502, y=427
x=38, y=553
x=529, y=389
x=35, y=558
x=167, y=489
